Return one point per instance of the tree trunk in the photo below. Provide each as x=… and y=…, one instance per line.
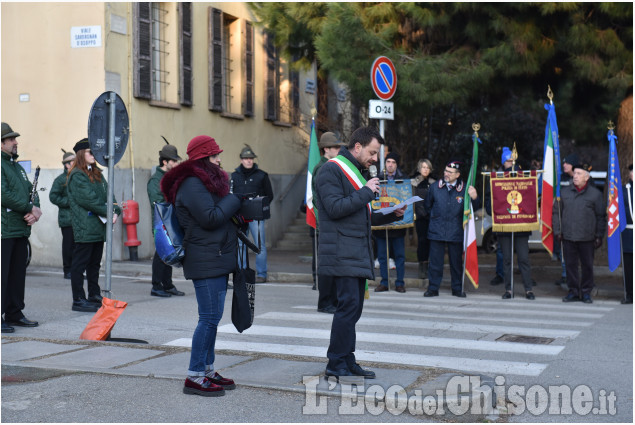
x=625, y=136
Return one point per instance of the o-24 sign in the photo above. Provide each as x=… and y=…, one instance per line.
x=383, y=79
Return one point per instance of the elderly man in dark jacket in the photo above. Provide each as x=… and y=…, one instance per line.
x=345, y=251
x=581, y=229
x=445, y=206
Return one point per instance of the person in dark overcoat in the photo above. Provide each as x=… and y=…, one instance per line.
x=445, y=207
x=199, y=190
x=345, y=251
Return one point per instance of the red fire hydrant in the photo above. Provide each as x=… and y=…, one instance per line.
x=130, y=219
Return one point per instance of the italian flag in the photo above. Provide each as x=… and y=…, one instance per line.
x=470, y=252
x=550, y=178
x=314, y=158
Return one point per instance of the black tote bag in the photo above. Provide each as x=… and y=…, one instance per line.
x=244, y=297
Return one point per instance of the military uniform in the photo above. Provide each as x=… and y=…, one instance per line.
x=16, y=203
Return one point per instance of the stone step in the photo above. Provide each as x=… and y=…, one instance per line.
x=300, y=221
x=298, y=228
x=295, y=245
x=295, y=236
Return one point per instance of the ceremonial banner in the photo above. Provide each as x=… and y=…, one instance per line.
x=393, y=193
x=616, y=213
x=514, y=202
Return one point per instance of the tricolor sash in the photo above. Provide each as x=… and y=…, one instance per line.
x=351, y=172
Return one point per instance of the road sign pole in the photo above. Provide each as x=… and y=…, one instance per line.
x=111, y=191
x=381, y=152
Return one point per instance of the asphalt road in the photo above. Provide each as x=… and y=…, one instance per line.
x=411, y=340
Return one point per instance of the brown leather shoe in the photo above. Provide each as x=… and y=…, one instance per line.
x=401, y=289
x=381, y=288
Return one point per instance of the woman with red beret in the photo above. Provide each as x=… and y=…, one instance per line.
x=199, y=190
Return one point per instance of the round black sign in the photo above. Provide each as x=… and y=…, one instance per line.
x=98, y=124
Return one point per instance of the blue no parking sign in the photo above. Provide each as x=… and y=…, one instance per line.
x=383, y=78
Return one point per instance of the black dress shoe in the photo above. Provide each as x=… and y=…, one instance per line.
x=507, y=295
x=400, y=289
x=458, y=294
x=174, y=291
x=431, y=293
x=381, y=288
x=331, y=309
x=496, y=281
x=67, y=275
x=358, y=371
x=84, y=306
x=570, y=298
x=159, y=293
x=6, y=329
x=530, y=296
x=23, y=322
x=95, y=299
x=337, y=373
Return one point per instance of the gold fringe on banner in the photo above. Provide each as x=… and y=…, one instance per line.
x=399, y=226
x=520, y=227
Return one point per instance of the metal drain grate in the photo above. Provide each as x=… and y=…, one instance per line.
x=525, y=339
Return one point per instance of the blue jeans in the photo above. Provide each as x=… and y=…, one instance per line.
x=261, y=259
x=399, y=251
x=210, y=296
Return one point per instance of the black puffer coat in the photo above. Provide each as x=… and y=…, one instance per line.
x=204, y=208
x=345, y=237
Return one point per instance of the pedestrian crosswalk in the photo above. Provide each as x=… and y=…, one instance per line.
x=445, y=332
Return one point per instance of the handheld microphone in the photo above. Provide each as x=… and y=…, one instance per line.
x=373, y=173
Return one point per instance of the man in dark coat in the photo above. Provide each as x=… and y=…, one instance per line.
x=395, y=236
x=627, y=238
x=327, y=300
x=162, y=285
x=445, y=206
x=59, y=196
x=248, y=179
x=581, y=229
x=18, y=215
x=345, y=251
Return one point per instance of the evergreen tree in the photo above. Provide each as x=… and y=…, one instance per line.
x=459, y=63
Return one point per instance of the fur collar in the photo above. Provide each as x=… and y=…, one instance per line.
x=217, y=183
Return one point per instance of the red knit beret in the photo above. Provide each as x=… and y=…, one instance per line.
x=202, y=147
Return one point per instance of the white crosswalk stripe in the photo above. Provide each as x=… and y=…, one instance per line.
x=444, y=332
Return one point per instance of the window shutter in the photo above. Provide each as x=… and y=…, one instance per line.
x=294, y=77
x=271, y=92
x=143, y=52
x=248, y=101
x=215, y=59
x=185, y=11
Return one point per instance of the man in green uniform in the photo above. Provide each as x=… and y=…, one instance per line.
x=59, y=196
x=162, y=285
x=18, y=215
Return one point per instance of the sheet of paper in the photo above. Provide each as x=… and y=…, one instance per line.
x=388, y=210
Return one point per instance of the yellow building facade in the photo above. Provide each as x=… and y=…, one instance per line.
x=182, y=69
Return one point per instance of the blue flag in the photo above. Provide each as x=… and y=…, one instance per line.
x=615, y=210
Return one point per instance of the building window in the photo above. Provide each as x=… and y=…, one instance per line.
x=272, y=80
x=282, y=87
x=163, y=52
x=159, y=51
x=185, y=39
x=230, y=65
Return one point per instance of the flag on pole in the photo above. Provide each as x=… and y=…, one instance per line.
x=314, y=158
x=471, y=257
x=550, y=177
x=616, y=213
